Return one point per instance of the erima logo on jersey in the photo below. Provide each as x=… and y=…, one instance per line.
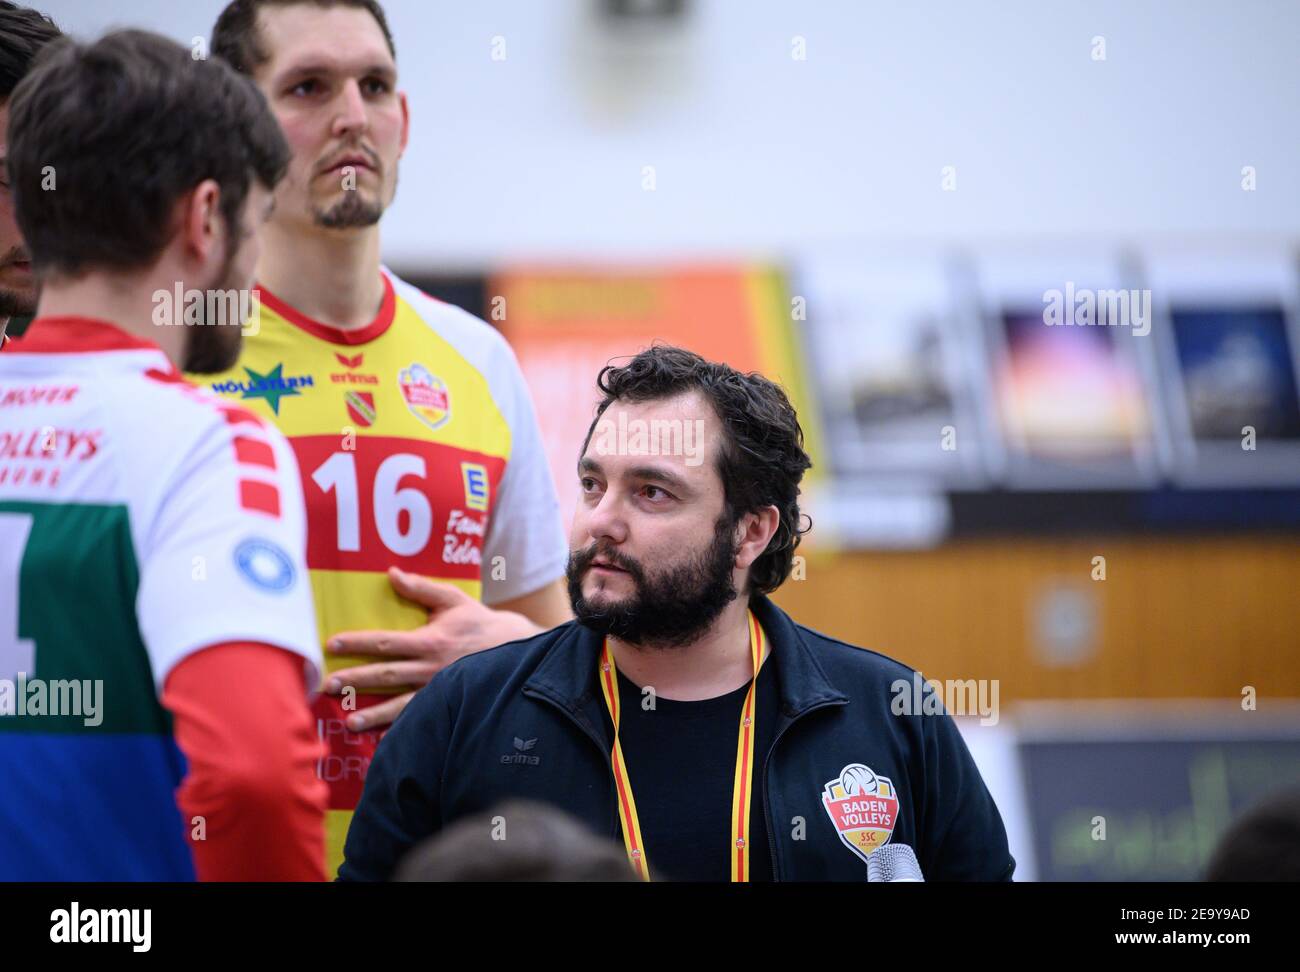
x=351, y=377
x=271, y=386
x=265, y=565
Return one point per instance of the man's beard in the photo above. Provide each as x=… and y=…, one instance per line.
x=213, y=347
x=669, y=610
x=350, y=212
x=17, y=303
x=13, y=303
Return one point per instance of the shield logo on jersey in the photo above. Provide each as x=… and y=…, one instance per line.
x=361, y=407
x=425, y=395
x=863, y=807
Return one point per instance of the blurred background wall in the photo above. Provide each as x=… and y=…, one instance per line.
x=540, y=155
x=870, y=202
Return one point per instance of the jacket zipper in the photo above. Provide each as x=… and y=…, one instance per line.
x=615, y=827
x=767, y=796
x=767, y=761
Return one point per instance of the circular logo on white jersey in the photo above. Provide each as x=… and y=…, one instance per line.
x=265, y=565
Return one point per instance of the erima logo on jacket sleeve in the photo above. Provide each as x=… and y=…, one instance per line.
x=521, y=757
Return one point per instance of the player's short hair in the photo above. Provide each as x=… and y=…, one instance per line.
x=235, y=38
x=23, y=32
x=762, y=458
x=104, y=138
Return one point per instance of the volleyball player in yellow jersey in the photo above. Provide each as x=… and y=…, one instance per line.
x=427, y=490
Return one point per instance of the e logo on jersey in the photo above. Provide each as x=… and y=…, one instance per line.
x=475, y=476
x=425, y=394
x=863, y=807
x=265, y=565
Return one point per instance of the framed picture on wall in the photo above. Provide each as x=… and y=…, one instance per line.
x=893, y=370
x=1229, y=344
x=1071, y=370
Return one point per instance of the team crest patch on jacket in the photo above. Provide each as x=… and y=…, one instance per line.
x=863, y=807
x=425, y=394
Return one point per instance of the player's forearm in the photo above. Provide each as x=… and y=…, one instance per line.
x=544, y=608
x=400, y=805
x=252, y=802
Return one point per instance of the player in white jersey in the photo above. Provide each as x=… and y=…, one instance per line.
x=152, y=536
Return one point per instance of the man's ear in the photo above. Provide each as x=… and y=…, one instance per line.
x=201, y=224
x=406, y=120
x=756, y=531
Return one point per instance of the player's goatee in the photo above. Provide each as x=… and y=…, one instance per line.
x=350, y=211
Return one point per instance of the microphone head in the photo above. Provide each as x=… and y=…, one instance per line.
x=893, y=862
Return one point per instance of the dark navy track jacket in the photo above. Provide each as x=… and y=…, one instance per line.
x=843, y=776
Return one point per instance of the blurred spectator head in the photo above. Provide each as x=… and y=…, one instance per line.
x=518, y=840
x=1263, y=844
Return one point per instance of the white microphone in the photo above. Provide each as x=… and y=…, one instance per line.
x=893, y=863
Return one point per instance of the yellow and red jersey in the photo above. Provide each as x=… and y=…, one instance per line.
x=418, y=447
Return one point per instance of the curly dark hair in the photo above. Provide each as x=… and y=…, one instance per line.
x=762, y=458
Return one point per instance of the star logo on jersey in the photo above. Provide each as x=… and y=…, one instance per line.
x=863, y=807
x=361, y=408
x=271, y=386
x=425, y=395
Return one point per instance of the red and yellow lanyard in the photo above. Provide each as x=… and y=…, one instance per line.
x=742, y=786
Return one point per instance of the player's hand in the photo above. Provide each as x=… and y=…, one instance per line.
x=458, y=626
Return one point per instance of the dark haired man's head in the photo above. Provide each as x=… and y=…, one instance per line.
x=328, y=69
x=23, y=33
x=129, y=156
x=689, y=482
